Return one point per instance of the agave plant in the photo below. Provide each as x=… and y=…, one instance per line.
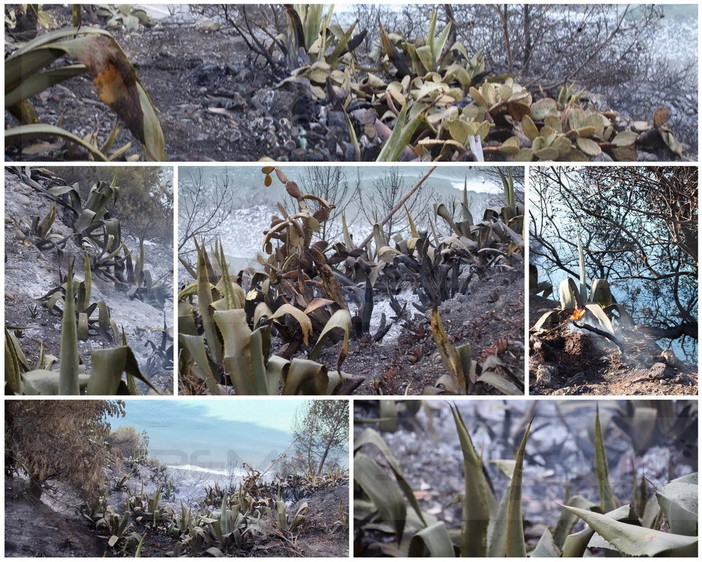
x=26, y=75
x=108, y=365
x=385, y=500
x=228, y=351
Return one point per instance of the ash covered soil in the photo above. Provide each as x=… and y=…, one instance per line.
x=559, y=454
x=53, y=526
x=218, y=102
x=490, y=317
x=567, y=361
x=30, y=273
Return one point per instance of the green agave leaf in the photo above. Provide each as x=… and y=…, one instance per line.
x=601, y=316
x=507, y=536
x=108, y=365
x=633, y=540
x=567, y=520
x=601, y=293
x=382, y=490
x=372, y=437
x=24, y=133
x=69, y=341
x=21, y=66
x=258, y=361
x=34, y=84
x=546, y=547
x=46, y=383
x=15, y=363
x=204, y=301
x=678, y=500
x=478, y=501
x=433, y=541
x=305, y=377
x=195, y=346
x=608, y=501
x=401, y=135
x=236, y=335
x=569, y=294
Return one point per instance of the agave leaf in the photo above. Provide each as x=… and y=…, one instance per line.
x=608, y=501
x=601, y=316
x=15, y=363
x=678, y=500
x=305, y=377
x=401, y=135
x=382, y=490
x=204, y=301
x=108, y=365
x=478, y=501
x=601, y=293
x=433, y=541
x=507, y=532
x=299, y=316
x=449, y=354
x=70, y=358
x=36, y=83
x=567, y=520
x=236, y=335
x=25, y=133
x=569, y=295
x=634, y=540
x=546, y=547
x=501, y=383
x=389, y=420
x=260, y=339
x=195, y=346
x=342, y=44
x=46, y=383
x=340, y=320
x=372, y=437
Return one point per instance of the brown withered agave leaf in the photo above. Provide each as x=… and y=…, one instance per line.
x=114, y=77
x=118, y=86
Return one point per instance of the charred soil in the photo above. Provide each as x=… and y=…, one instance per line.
x=566, y=360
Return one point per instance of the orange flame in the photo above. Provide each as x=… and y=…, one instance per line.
x=578, y=314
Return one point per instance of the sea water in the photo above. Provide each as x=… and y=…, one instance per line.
x=217, y=437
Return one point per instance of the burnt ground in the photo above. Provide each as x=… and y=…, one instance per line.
x=565, y=360
x=53, y=527
x=31, y=272
x=491, y=312
x=559, y=454
x=217, y=102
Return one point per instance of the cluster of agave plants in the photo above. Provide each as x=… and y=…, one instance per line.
x=429, y=99
x=226, y=521
x=303, y=294
x=385, y=507
x=426, y=99
x=104, y=251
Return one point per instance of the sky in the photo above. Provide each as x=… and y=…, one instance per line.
x=211, y=432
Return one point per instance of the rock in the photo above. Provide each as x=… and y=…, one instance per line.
x=545, y=374
x=660, y=371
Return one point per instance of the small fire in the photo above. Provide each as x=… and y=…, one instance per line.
x=578, y=314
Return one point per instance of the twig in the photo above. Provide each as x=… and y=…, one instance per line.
x=600, y=333
x=400, y=204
